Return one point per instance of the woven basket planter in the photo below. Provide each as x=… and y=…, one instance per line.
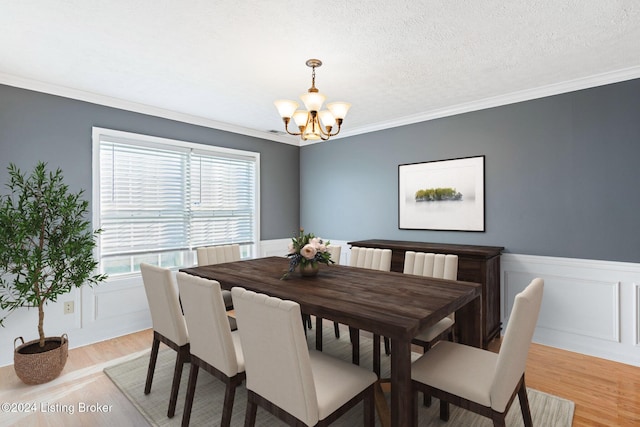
x=38, y=368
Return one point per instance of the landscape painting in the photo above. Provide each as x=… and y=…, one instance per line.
x=442, y=195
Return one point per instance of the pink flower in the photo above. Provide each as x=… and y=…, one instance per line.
x=308, y=251
x=318, y=244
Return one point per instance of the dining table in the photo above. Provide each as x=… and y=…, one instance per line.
x=388, y=304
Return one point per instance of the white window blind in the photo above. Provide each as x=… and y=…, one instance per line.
x=158, y=201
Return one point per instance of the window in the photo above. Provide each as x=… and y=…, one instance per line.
x=156, y=200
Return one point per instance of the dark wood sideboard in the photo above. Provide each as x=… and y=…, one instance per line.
x=479, y=264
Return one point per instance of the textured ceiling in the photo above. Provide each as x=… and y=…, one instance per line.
x=397, y=62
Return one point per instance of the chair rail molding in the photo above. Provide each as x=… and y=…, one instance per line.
x=589, y=306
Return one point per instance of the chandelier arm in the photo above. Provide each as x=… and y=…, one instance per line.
x=286, y=121
x=339, y=123
x=328, y=133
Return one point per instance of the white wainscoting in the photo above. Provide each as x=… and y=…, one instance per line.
x=111, y=309
x=274, y=247
x=589, y=306
x=114, y=308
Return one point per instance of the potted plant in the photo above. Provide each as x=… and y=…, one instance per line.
x=46, y=250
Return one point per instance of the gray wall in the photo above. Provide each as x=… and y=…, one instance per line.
x=561, y=176
x=36, y=126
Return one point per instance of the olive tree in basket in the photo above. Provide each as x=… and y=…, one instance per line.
x=46, y=250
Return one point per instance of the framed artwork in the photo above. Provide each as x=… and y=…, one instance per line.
x=442, y=195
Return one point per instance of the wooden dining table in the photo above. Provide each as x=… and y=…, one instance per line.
x=388, y=304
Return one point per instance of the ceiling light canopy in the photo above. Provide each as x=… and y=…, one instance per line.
x=314, y=123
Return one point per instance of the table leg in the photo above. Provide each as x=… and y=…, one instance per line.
x=355, y=345
x=401, y=401
x=469, y=317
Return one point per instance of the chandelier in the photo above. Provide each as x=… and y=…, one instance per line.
x=313, y=123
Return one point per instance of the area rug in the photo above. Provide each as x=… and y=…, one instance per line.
x=129, y=377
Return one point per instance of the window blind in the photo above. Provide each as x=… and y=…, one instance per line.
x=159, y=201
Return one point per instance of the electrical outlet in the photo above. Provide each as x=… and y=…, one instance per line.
x=68, y=307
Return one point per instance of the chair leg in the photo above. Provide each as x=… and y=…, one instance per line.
x=306, y=322
x=250, y=414
x=229, y=395
x=444, y=410
x=152, y=364
x=336, y=329
x=414, y=397
x=524, y=405
x=499, y=421
x=183, y=356
x=319, y=331
x=376, y=355
x=369, y=408
x=426, y=398
x=191, y=391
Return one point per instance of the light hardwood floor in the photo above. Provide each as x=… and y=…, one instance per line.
x=605, y=393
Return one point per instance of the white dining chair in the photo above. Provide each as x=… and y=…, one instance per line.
x=335, y=251
x=374, y=259
x=298, y=385
x=214, y=347
x=209, y=255
x=479, y=380
x=440, y=266
x=169, y=326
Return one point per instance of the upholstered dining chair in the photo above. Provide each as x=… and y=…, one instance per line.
x=440, y=266
x=375, y=259
x=169, y=326
x=372, y=258
x=298, y=385
x=479, y=380
x=214, y=347
x=209, y=255
x=335, y=251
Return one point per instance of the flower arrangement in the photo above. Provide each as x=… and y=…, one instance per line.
x=307, y=249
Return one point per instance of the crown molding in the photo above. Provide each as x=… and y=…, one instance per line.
x=80, y=95
x=505, y=99
x=496, y=101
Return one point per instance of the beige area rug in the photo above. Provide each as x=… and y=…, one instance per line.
x=129, y=377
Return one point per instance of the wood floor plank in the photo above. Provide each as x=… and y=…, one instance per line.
x=605, y=393
x=81, y=386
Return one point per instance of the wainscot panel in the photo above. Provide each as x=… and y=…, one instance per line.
x=589, y=306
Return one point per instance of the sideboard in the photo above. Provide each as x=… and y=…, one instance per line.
x=479, y=264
